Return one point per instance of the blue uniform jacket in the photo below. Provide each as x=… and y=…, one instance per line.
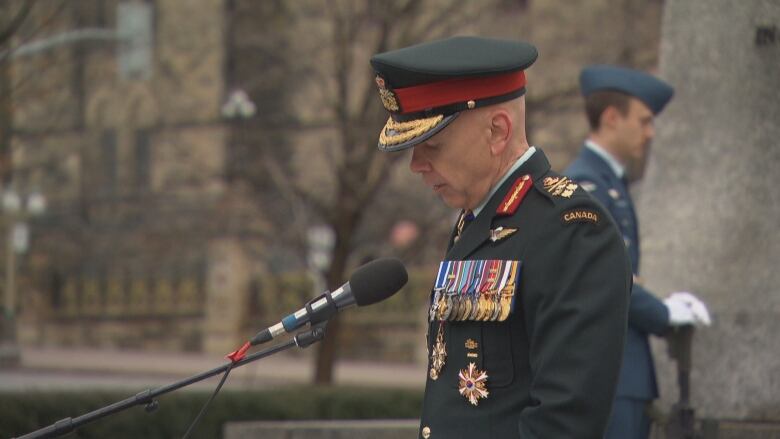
x=647, y=314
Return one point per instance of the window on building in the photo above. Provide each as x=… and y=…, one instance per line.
x=142, y=160
x=108, y=163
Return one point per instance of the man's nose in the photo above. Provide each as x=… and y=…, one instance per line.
x=418, y=163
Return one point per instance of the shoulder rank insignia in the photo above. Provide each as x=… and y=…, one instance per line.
x=516, y=193
x=560, y=186
x=500, y=233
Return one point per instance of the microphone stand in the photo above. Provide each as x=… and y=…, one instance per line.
x=147, y=397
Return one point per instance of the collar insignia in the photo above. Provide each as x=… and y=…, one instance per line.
x=560, y=186
x=514, y=196
x=500, y=233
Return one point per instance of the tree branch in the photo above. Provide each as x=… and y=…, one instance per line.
x=16, y=22
x=296, y=197
x=43, y=24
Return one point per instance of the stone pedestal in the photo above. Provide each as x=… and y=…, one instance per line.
x=10, y=353
x=709, y=207
x=375, y=429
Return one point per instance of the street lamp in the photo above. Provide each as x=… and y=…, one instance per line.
x=16, y=210
x=238, y=106
x=320, y=239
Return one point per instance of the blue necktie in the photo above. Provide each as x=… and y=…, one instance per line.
x=465, y=218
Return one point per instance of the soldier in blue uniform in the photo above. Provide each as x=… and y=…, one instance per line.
x=529, y=309
x=620, y=104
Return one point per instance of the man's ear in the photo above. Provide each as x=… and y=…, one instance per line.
x=609, y=117
x=500, y=131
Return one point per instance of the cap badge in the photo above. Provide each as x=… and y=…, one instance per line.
x=472, y=384
x=560, y=186
x=388, y=97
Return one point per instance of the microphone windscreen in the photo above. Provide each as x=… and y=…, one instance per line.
x=377, y=280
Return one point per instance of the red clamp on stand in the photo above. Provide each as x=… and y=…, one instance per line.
x=239, y=353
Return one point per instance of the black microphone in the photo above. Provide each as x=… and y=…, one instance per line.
x=371, y=283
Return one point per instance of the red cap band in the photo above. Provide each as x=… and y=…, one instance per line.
x=452, y=91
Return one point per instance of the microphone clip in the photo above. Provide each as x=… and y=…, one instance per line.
x=323, y=314
x=316, y=333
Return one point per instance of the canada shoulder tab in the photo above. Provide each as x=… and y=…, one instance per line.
x=581, y=215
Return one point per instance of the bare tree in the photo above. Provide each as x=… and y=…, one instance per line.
x=10, y=23
x=313, y=158
x=333, y=173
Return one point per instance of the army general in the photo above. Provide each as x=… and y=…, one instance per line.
x=528, y=312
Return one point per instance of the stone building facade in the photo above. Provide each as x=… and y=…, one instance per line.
x=158, y=232
x=126, y=140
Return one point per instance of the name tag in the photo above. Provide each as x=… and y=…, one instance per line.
x=481, y=290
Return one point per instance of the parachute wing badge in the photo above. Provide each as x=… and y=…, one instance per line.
x=500, y=233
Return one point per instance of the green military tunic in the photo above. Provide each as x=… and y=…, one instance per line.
x=552, y=365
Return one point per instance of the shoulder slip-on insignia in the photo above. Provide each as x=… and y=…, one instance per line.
x=560, y=186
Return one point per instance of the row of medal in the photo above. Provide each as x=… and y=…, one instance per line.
x=482, y=290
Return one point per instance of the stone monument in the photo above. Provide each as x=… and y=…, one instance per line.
x=709, y=206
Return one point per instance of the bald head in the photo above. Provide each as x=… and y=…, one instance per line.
x=466, y=159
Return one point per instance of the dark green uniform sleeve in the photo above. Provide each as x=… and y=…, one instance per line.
x=576, y=283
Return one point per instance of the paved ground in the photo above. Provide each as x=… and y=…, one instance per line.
x=68, y=369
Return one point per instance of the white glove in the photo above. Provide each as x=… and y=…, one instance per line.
x=686, y=309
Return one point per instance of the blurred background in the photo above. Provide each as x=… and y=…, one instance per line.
x=177, y=175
